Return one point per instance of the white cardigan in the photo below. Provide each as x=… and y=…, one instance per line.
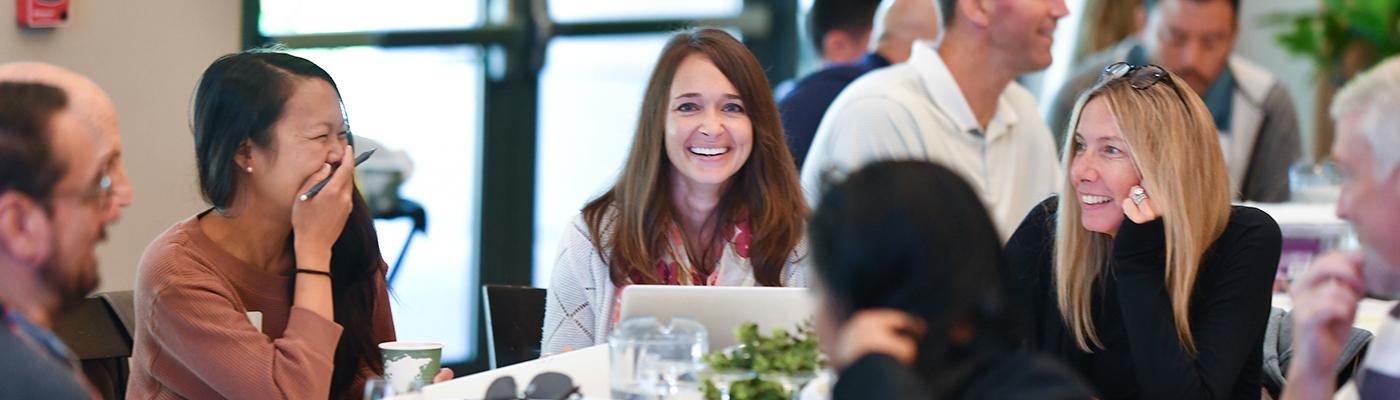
x=578, y=307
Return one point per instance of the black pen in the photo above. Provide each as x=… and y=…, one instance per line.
x=360, y=159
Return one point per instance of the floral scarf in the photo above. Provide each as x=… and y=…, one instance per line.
x=674, y=267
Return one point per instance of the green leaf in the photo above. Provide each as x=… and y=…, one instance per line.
x=782, y=351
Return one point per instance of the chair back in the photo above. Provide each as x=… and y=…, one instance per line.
x=1278, y=352
x=514, y=322
x=99, y=332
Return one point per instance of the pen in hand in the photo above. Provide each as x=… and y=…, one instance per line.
x=360, y=159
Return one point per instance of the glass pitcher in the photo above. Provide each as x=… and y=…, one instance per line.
x=653, y=361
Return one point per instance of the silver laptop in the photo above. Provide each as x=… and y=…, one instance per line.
x=721, y=308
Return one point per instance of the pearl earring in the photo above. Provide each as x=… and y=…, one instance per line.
x=249, y=169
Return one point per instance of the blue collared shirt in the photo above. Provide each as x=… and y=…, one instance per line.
x=40, y=339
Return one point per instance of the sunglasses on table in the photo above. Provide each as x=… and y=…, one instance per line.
x=545, y=386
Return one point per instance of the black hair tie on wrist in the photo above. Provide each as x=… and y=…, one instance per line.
x=311, y=271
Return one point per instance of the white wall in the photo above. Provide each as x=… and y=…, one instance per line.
x=1256, y=42
x=148, y=56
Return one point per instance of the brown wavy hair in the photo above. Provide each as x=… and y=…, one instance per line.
x=638, y=210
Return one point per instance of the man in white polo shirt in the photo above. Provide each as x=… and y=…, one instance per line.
x=956, y=104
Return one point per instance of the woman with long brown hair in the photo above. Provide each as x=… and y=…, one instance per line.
x=708, y=195
x=1141, y=274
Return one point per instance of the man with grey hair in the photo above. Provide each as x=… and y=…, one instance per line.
x=1326, y=297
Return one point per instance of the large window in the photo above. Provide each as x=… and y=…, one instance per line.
x=303, y=17
x=588, y=112
x=620, y=10
x=429, y=110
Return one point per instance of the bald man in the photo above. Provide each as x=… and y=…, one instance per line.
x=802, y=108
x=899, y=23
x=61, y=185
x=95, y=110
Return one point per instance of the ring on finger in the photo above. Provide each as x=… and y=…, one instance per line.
x=1138, y=195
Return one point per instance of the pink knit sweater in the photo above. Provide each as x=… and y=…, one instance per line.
x=194, y=338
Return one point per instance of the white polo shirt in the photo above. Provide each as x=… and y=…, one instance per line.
x=916, y=111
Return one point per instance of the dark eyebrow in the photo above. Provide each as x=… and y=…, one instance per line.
x=694, y=95
x=111, y=158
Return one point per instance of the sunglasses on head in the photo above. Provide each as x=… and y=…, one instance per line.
x=1140, y=77
x=545, y=386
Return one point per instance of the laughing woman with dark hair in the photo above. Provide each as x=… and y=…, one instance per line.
x=266, y=295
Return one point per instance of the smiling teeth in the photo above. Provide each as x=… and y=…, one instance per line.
x=708, y=151
x=1094, y=199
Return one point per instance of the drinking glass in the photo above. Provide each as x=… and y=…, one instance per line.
x=1314, y=183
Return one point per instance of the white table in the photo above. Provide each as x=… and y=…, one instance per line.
x=588, y=367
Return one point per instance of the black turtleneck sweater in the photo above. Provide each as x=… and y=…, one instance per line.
x=1142, y=356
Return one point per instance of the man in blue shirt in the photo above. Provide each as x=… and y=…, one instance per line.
x=836, y=26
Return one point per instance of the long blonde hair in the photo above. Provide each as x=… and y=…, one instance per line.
x=1174, y=146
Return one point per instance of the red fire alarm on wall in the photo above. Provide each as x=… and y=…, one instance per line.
x=41, y=13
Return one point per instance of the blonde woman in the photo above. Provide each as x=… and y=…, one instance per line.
x=1142, y=275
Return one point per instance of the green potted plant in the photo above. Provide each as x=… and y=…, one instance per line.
x=772, y=367
x=1341, y=39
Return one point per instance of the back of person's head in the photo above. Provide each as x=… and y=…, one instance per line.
x=898, y=23
x=28, y=165
x=914, y=236
x=765, y=189
x=239, y=99
x=851, y=17
x=1175, y=148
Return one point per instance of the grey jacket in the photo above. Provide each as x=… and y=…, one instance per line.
x=1263, y=124
x=30, y=374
